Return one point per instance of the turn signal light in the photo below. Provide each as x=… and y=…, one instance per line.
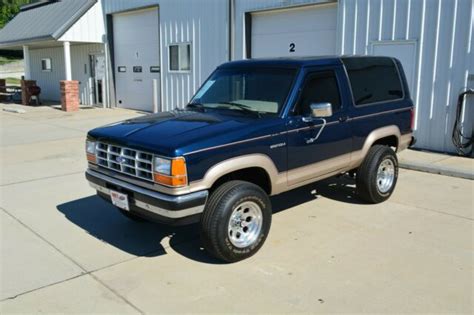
x=178, y=177
x=91, y=158
x=173, y=181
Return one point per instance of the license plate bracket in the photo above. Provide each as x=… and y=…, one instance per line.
x=119, y=200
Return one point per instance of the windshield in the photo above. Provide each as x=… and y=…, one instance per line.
x=257, y=90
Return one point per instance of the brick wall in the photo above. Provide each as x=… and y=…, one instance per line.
x=25, y=95
x=69, y=95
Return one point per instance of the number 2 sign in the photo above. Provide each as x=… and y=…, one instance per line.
x=292, y=47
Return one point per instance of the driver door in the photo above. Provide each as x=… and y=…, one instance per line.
x=322, y=145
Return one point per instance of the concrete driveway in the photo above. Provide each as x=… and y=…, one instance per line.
x=65, y=250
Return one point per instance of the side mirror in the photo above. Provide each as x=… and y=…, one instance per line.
x=321, y=110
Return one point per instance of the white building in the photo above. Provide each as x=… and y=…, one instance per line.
x=152, y=55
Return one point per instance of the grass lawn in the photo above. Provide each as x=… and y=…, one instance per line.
x=6, y=59
x=12, y=81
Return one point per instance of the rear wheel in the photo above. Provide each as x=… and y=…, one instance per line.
x=236, y=221
x=378, y=174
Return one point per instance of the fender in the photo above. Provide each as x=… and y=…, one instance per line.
x=358, y=156
x=238, y=163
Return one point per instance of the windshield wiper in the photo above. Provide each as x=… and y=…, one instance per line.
x=198, y=106
x=243, y=107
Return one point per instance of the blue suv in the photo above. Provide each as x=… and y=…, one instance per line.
x=254, y=129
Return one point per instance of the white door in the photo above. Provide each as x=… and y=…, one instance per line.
x=305, y=31
x=137, y=58
x=98, y=71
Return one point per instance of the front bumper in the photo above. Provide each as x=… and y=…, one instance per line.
x=156, y=206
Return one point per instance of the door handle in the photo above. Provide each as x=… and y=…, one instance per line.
x=343, y=118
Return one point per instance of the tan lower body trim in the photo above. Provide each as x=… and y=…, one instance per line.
x=310, y=173
x=404, y=142
x=318, y=169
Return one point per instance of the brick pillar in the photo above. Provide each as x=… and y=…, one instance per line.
x=2, y=89
x=25, y=96
x=69, y=95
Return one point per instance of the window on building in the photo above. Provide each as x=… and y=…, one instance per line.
x=320, y=87
x=46, y=64
x=373, y=80
x=180, y=57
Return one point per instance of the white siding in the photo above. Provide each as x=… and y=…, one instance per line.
x=443, y=32
x=89, y=28
x=49, y=81
x=203, y=23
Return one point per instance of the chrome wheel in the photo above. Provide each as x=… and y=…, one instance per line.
x=385, y=175
x=245, y=224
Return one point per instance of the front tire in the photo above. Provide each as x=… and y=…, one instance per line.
x=378, y=174
x=236, y=221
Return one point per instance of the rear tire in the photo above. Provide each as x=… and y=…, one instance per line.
x=377, y=176
x=236, y=221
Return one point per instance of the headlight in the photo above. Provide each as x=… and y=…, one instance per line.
x=90, y=147
x=162, y=166
x=90, y=151
x=170, y=172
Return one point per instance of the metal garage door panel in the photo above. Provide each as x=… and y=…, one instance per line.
x=307, y=31
x=136, y=44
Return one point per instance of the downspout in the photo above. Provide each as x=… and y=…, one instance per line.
x=110, y=60
x=231, y=29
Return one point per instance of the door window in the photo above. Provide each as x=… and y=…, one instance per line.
x=320, y=87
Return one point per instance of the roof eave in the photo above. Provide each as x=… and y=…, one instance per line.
x=56, y=35
x=24, y=41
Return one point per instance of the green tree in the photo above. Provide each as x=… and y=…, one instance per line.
x=9, y=8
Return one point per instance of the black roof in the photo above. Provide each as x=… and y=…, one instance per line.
x=295, y=62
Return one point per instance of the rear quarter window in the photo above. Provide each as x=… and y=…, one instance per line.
x=373, y=80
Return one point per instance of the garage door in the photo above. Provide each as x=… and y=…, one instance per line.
x=305, y=31
x=137, y=59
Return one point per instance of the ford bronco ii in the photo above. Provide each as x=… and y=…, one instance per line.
x=254, y=129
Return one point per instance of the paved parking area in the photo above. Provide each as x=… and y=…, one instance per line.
x=65, y=250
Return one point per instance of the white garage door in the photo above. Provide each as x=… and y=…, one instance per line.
x=137, y=59
x=305, y=31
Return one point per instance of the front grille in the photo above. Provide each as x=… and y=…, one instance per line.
x=124, y=160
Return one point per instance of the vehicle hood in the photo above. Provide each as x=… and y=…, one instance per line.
x=178, y=132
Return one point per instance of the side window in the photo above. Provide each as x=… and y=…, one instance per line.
x=319, y=87
x=180, y=57
x=46, y=65
x=373, y=79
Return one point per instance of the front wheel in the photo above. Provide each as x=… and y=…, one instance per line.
x=236, y=221
x=378, y=174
